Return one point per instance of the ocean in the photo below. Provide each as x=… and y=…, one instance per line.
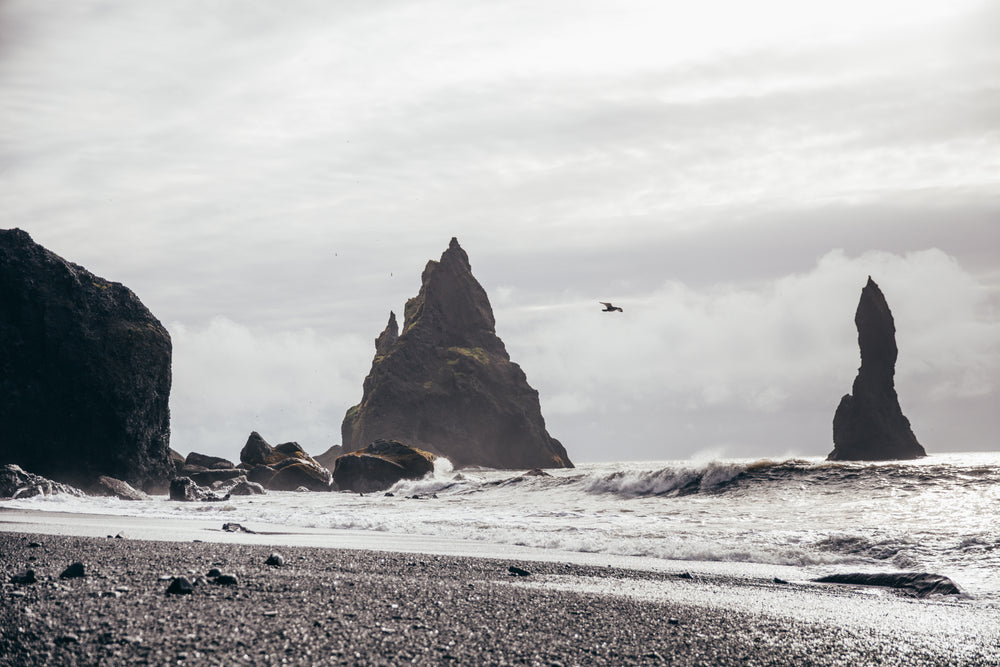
x=808, y=516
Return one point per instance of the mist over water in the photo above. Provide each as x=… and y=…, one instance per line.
x=937, y=514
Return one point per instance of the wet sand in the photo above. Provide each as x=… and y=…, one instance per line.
x=363, y=607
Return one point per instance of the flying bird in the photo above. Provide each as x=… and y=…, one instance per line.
x=610, y=308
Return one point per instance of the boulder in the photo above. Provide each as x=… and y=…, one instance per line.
x=185, y=490
x=17, y=483
x=209, y=477
x=380, y=465
x=210, y=462
x=84, y=372
x=869, y=424
x=300, y=474
x=284, y=467
x=115, y=488
x=446, y=384
x=246, y=488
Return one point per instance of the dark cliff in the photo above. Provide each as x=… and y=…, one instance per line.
x=869, y=424
x=84, y=372
x=446, y=383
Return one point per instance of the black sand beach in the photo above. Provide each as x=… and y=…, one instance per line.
x=333, y=606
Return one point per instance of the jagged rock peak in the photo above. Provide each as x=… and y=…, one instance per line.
x=446, y=384
x=869, y=425
x=451, y=305
x=388, y=337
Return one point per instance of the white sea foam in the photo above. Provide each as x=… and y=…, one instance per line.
x=937, y=514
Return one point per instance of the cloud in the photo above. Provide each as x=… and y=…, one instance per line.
x=781, y=352
x=230, y=379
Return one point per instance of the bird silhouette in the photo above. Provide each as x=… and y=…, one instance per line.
x=610, y=308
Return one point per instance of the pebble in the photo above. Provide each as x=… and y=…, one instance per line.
x=26, y=577
x=275, y=559
x=214, y=572
x=74, y=571
x=225, y=580
x=180, y=586
x=518, y=572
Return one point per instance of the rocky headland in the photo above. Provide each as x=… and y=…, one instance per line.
x=869, y=425
x=446, y=384
x=84, y=373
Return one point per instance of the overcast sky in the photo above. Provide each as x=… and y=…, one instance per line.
x=270, y=179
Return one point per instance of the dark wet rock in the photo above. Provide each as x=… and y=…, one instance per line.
x=536, y=472
x=869, y=424
x=177, y=460
x=275, y=560
x=515, y=571
x=284, y=467
x=225, y=580
x=84, y=372
x=380, y=465
x=214, y=572
x=328, y=459
x=209, y=477
x=918, y=584
x=184, y=489
x=236, y=528
x=247, y=488
x=180, y=586
x=115, y=488
x=260, y=474
x=74, y=571
x=300, y=474
x=209, y=462
x=18, y=483
x=446, y=384
x=23, y=577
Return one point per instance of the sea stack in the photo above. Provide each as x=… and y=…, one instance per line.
x=446, y=384
x=84, y=373
x=869, y=424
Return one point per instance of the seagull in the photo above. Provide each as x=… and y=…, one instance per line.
x=609, y=308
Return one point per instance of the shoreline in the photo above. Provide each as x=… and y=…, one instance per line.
x=337, y=605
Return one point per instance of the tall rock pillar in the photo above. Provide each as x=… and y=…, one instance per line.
x=869, y=424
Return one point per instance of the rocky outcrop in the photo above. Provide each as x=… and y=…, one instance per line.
x=917, y=584
x=869, y=424
x=115, y=488
x=285, y=467
x=184, y=489
x=380, y=465
x=446, y=384
x=16, y=483
x=84, y=372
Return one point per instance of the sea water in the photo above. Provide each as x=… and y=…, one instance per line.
x=936, y=514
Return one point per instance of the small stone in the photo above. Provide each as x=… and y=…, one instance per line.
x=180, y=586
x=18, y=594
x=34, y=545
x=778, y=580
x=74, y=571
x=275, y=560
x=518, y=572
x=684, y=575
x=225, y=580
x=673, y=621
x=123, y=589
x=270, y=614
x=214, y=572
x=68, y=638
x=26, y=577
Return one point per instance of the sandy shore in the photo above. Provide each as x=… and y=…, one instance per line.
x=363, y=607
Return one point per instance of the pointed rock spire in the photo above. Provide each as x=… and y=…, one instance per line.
x=869, y=424
x=446, y=384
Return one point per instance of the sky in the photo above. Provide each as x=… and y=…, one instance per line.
x=271, y=178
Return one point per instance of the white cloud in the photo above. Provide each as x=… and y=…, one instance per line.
x=782, y=351
x=230, y=379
